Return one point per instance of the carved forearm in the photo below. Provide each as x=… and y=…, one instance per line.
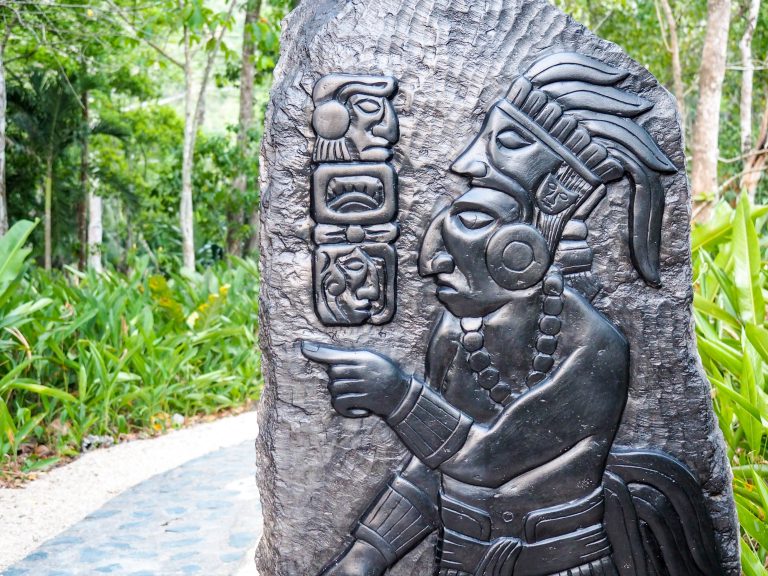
x=431, y=428
x=398, y=520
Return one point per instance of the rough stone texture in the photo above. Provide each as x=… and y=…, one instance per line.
x=453, y=59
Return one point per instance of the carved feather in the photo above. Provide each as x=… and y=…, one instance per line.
x=566, y=66
x=646, y=209
x=626, y=133
x=605, y=99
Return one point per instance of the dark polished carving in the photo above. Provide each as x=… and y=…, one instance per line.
x=354, y=118
x=354, y=199
x=512, y=427
x=354, y=283
x=354, y=193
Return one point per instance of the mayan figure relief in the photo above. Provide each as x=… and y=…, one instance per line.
x=511, y=427
x=354, y=199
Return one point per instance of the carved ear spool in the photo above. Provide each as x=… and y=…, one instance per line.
x=517, y=256
x=331, y=120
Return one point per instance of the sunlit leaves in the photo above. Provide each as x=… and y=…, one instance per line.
x=733, y=343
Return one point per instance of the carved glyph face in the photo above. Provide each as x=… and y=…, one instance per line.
x=373, y=127
x=352, y=286
x=354, y=118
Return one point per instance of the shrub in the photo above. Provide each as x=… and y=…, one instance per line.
x=729, y=305
x=110, y=354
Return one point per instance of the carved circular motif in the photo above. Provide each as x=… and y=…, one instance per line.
x=488, y=378
x=355, y=233
x=517, y=256
x=550, y=325
x=479, y=360
x=543, y=362
x=500, y=392
x=472, y=341
x=331, y=120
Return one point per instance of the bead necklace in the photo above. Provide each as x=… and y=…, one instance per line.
x=473, y=342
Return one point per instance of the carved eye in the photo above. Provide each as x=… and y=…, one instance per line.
x=354, y=265
x=512, y=140
x=475, y=220
x=368, y=105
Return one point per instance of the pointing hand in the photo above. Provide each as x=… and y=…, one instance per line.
x=360, y=382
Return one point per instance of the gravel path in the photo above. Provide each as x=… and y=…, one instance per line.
x=65, y=496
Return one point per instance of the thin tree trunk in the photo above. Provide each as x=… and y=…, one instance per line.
x=3, y=110
x=677, y=68
x=186, y=212
x=193, y=117
x=82, y=208
x=236, y=216
x=754, y=164
x=706, y=127
x=48, y=185
x=747, y=81
x=95, y=232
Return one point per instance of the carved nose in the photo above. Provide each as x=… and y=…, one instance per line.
x=442, y=263
x=388, y=127
x=432, y=251
x=368, y=292
x=470, y=166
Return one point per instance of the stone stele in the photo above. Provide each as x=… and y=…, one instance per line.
x=477, y=338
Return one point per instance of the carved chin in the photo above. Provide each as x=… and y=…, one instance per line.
x=378, y=154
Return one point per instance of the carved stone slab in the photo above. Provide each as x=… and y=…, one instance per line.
x=477, y=338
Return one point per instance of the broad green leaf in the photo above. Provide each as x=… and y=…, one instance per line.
x=752, y=369
x=733, y=396
x=12, y=252
x=721, y=353
x=41, y=390
x=750, y=562
x=713, y=310
x=7, y=426
x=758, y=337
x=756, y=527
x=747, y=263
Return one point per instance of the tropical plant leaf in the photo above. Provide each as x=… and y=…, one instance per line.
x=747, y=264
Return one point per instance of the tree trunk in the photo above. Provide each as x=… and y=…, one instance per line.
x=82, y=207
x=235, y=217
x=3, y=109
x=95, y=232
x=48, y=186
x=186, y=212
x=754, y=164
x=677, y=68
x=706, y=127
x=747, y=81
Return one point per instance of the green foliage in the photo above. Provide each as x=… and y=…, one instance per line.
x=729, y=306
x=112, y=354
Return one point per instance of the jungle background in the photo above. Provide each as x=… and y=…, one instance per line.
x=129, y=136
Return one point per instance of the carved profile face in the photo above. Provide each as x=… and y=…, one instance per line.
x=505, y=156
x=354, y=118
x=454, y=247
x=352, y=285
x=373, y=127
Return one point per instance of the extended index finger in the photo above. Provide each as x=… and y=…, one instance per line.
x=328, y=353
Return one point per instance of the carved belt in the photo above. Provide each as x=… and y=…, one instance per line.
x=555, y=539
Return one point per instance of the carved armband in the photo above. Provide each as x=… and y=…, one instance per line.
x=398, y=520
x=431, y=428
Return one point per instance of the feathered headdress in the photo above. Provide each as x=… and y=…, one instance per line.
x=572, y=103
